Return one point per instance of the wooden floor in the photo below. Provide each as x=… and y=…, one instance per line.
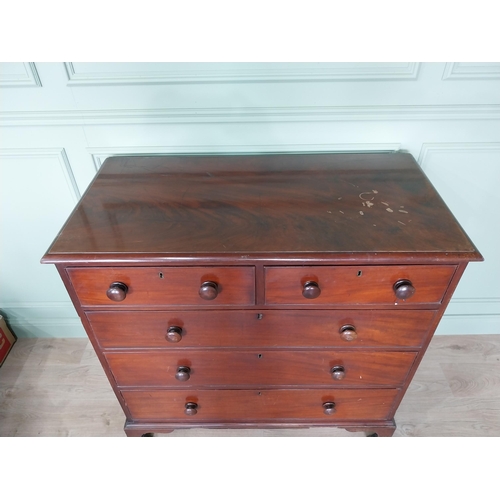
x=56, y=387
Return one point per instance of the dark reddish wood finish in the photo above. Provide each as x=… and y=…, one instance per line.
x=275, y=204
x=247, y=368
x=263, y=328
x=266, y=404
x=261, y=291
x=160, y=286
x=356, y=284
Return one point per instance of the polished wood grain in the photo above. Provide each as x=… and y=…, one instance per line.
x=240, y=405
x=356, y=284
x=259, y=368
x=153, y=286
x=455, y=392
x=203, y=205
x=262, y=328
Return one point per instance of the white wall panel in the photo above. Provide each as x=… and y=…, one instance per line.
x=278, y=136
x=37, y=192
x=53, y=94
x=22, y=74
x=428, y=89
x=467, y=176
x=54, y=137
x=43, y=138
x=476, y=71
x=152, y=73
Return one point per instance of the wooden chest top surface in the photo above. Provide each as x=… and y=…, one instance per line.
x=329, y=204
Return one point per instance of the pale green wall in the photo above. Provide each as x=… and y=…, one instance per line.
x=60, y=121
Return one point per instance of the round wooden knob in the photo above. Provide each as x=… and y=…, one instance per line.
x=348, y=333
x=311, y=290
x=403, y=289
x=174, y=334
x=191, y=409
x=117, y=291
x=209, y=290
x=338, y=372
x=329, y=408
x=183, y=373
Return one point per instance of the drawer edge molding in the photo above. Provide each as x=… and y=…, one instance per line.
x=358, y=285
x=157, y=286
x=253, y=405
x=299, y=328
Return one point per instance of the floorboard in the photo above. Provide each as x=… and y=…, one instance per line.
x=56, y=387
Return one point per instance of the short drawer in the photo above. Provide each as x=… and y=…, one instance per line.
x=266, y=328
x=152, y=286
x=357, y=285
x=261, y=405
x=259, y=368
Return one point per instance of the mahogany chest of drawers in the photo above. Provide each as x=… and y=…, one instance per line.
x=267, y=291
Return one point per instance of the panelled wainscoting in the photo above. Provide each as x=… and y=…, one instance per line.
x=60, y=121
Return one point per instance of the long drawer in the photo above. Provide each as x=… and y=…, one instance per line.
x=356, y=284
x=260, y=405
x=254, y=368
x=268, y=328
x=164, y=286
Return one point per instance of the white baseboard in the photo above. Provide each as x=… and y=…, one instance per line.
x=469, y=324
x=47, y=328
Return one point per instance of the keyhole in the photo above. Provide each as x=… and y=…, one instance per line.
x=259, y=356
x=360, y=273
x=160, y=275
x=260, y=316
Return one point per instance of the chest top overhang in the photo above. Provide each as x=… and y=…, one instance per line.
x=280, y=204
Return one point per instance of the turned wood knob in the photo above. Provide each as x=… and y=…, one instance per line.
x=329, y=408
x=209, y=290
x=403, y=289
x=338, y=372
x=117, y=291
x=348, y=333
x=191, y=409
x=183, y=373
x=174, y=334
x=311, y=290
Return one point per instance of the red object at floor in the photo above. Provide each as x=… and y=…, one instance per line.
x=7, y=340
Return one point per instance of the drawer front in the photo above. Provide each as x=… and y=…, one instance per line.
x=355, y=284
x=268, y=328
x=261, y=405
x=152, y=286
x=255, y=368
